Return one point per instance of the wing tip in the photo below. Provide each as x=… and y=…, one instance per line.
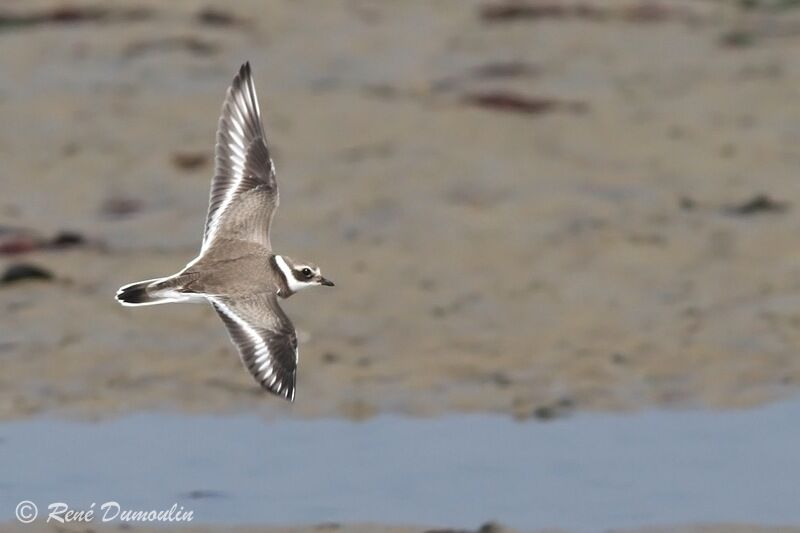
x=282, y=390
x=245, y=72
x=242, y=78
x=281, y=384
x=243, y=86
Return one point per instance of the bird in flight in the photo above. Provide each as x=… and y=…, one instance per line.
x=237, y=270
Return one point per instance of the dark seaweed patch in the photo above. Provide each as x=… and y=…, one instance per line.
x=758, y=204
x=516, y=103
x=64, y=15
x=23, y=272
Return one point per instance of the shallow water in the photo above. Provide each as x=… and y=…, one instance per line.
x=585, y=473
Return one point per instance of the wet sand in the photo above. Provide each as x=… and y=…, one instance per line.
x=529, y=214
x=522, y=216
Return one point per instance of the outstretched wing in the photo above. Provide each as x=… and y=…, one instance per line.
x=244, y=193
x=265, y=338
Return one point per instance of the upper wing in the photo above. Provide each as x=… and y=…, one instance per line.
x=265, y=338
x=244, y=193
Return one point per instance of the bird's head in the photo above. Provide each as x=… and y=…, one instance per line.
x=300, y=275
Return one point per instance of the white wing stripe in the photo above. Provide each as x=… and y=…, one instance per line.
x=236, y=134
x=238, y=127
x=229, y=194
x=241, y=105
x=261, y=349
x=261, y=346
x=237, y=162
x=237, y=124
x=252, y=88
x=236, y=154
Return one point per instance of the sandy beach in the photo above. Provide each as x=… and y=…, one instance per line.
x=531, y=211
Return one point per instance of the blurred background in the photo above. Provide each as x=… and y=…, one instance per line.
x=560, y=230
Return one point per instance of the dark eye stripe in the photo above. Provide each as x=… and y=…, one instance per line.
x=304, y=274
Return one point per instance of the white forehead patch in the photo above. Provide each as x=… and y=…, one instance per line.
x=291, y=281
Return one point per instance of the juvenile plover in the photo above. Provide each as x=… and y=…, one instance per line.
x=236, y=270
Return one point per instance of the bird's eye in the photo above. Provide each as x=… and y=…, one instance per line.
x=307, y=273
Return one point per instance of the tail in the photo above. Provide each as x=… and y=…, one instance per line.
x=148, y=292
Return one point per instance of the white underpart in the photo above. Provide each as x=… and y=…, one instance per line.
x=262, y=350
x=238, y=171
x=291, y=281
x=192, y=298
x=157, y=302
